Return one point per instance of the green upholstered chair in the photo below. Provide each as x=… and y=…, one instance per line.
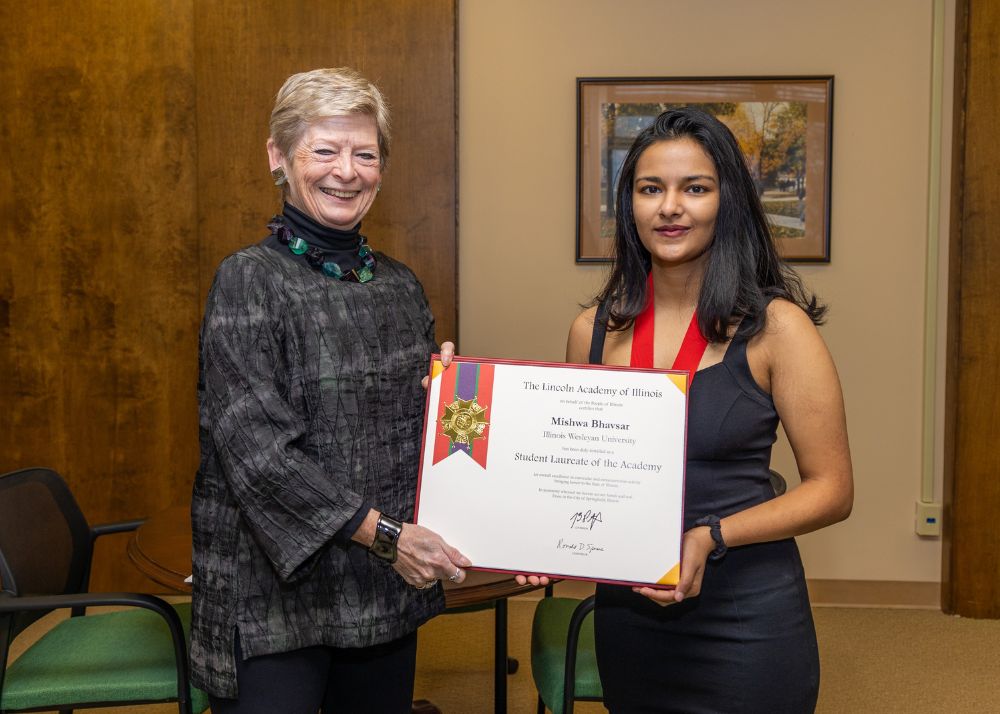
x=133, y=656
x=563, y=660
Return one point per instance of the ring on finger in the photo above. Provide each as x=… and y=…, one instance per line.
x=458, y=573
x=428, y=584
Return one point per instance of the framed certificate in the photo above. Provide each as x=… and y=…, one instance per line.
x=571, y=471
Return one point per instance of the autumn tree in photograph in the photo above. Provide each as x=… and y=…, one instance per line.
x=782, y=125
x=772, y=136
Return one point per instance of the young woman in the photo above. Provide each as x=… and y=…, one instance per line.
x=693, y=250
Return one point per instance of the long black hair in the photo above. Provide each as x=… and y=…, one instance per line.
x=744, y=271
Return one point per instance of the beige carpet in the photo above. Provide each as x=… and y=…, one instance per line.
x=874, y=660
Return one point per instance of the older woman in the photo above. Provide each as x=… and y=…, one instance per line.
x=309, y=584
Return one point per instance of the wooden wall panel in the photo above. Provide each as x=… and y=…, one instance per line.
x=247, y=48
x=99, y=294
x=134, y=161
x=971, y=578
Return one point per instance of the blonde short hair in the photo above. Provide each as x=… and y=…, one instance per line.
x=339, y=91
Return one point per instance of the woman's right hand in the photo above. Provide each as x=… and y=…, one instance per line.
x=423, y=557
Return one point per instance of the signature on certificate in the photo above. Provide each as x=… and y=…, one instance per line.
x=578, y=548
x=585, y=520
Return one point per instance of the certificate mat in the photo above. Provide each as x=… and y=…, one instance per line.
x=572, y=471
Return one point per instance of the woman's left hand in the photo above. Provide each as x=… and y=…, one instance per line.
x=447, y=354
x=695, y=549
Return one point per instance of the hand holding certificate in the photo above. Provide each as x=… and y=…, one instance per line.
x=571, y=471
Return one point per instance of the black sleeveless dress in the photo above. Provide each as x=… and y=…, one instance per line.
x=747, y=642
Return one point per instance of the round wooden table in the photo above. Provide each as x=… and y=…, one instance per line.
x=161, y=549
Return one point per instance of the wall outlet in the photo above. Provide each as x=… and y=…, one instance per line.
x=928, y=518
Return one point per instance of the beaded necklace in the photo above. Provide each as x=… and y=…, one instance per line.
x=318, y=259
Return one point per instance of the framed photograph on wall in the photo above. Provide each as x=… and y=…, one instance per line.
x=783, y=125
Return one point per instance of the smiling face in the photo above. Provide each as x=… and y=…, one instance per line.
x=334, y=170
x=675, y=200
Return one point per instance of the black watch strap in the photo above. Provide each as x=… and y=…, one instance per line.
x=387, y=532
x=715, y=528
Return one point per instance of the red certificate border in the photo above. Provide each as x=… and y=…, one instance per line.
x=530, y=363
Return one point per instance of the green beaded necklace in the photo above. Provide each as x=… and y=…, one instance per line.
x=318, y=259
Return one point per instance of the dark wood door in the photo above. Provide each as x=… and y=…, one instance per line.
x=971, y=572
x=133, y=144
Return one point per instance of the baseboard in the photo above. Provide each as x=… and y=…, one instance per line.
x=875, y=593
x=823, y=593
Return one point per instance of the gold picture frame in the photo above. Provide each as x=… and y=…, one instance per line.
x=784, y=127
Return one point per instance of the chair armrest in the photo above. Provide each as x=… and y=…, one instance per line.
x=102, y=530
x=117, y=527
x=33, y=603
x=26, y=603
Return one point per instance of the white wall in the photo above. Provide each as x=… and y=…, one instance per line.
x=520, y=287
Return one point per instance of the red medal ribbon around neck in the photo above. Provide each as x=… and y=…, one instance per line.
x=692, y=348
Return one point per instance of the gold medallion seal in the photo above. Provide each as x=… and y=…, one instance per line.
x=463, y=420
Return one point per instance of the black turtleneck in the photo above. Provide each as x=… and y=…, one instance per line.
x=340, y=246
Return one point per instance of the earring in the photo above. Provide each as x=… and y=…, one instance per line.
x=378, y=188
x=279, y=177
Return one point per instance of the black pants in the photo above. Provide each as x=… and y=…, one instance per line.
x=329, y=679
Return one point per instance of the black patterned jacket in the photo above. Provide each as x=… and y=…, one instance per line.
x=310, y=405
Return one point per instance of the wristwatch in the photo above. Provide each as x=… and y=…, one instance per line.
x=387, y=532
x=715, y=529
